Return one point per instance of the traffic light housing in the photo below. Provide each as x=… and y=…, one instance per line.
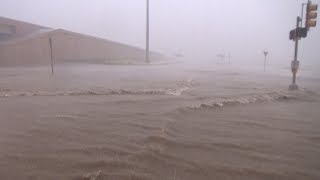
x=311, y=15
x=298, y=33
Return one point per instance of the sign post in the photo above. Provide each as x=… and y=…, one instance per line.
x=265, y=59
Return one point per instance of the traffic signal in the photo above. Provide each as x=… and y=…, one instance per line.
x=311, y=15
x=299, y=32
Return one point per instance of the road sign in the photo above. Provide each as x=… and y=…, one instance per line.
x=295, y=66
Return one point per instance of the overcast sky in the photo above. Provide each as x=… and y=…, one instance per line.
x=198, y=28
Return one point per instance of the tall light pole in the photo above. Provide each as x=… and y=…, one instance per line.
x=51, y=55
x=147, y=35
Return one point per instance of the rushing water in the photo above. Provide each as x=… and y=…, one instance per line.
x=166, y=122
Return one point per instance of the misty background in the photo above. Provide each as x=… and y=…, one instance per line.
x=199, y=29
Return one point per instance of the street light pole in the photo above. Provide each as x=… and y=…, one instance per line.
x=51, y=55
x=147, y=35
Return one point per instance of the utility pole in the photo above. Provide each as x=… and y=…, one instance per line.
x=265, y=60
x=147, y=35
x=51, y=55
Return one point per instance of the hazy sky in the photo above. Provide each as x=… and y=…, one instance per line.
x=198, y=28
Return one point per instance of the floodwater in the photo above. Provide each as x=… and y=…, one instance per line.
x=159, y=122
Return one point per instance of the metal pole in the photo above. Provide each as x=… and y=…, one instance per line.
x=302, y=10
x=51, y=55
x=147, y=35
x=296, y=48
x=265, y=59
x=294, y=67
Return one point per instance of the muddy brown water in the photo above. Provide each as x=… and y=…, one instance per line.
x=162, y=122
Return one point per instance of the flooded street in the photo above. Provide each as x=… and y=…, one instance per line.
x=159, y=90
x=157, y=122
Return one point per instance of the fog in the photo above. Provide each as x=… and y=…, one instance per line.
x=198, y=29
x=76, y=107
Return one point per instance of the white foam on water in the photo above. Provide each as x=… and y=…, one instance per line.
x=183, y=86
x=172, y=92
x=246, y=99
x=93, y=176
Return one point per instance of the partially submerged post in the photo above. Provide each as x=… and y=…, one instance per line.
x=265, y=59
x=301, y=32
x=295, y=62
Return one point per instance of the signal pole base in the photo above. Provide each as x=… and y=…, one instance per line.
x=293, y=87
